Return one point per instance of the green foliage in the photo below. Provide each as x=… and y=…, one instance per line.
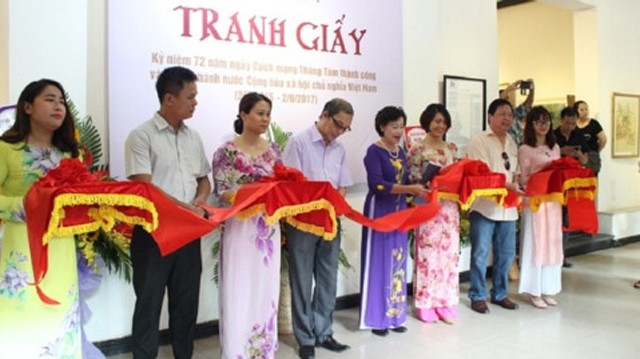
x=278, y=135
x=89, y=136
x=343, y=261
x=116, y=257
x=112, y=247
x=215, y=253
x=465, y=233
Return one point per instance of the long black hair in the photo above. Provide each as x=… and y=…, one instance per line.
x=63, y=137
x=246, y=105
x=537, y=113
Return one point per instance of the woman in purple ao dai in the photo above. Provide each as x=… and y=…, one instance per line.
x=383, y=304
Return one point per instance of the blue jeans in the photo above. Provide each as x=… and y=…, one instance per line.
x=485, y=233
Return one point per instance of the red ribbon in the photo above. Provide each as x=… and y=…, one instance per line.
x=177, y=226
x=468, y=178
x=567, y=178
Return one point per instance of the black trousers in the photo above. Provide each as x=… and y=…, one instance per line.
x=179, y=272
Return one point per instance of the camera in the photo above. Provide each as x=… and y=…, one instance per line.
x=524, y=87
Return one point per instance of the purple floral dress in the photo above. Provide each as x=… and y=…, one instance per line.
x=30, y=328
x=249, y=265
x=383, y=302
x=435, y=281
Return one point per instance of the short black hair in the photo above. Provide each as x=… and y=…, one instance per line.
x=389, y=114
x=568, y=112
x=430, y=113
x=172, y=80
x=499, y=102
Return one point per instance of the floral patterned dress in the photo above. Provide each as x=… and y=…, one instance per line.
x=249, y=265
x=30, y=328
x=383, y=303
x=435, y=281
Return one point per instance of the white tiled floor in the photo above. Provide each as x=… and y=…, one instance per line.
x=598, y=317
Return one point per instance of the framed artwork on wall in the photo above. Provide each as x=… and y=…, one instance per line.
x=7, y=117
x=413, y=134
x=466, y=100
x=625, y=115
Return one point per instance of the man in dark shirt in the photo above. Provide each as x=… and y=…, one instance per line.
x=572, y=143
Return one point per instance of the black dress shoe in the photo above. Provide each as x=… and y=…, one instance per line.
x=380, y=332
x=307, y=352
x=479, y=306
x=331, y=344
x=566, y=264
x=505, y=303
x=401, y=329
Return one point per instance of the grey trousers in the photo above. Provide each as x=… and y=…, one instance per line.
x=311, y=258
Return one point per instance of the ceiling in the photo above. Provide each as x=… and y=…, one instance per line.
x=506, y=3
x=574, y=5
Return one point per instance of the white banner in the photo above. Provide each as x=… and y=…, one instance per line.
x=300, y=53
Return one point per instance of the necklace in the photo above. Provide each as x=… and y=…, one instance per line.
x=391, y=154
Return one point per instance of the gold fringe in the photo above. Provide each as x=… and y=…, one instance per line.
x=489, y=193
x=288, y=212
x=579, y=193
x=536, y=201
x=251, y=211
x=321, y=204
x=104, y=216
x=574, y=183
x=454, y=197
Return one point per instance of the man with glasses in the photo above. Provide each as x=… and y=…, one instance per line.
x=320, y=157
x=493, y=225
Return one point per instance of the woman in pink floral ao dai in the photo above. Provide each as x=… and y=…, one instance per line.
x=435, y=281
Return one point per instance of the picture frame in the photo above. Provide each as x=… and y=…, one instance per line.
x=7, y=117
x=625, y=123
x=466, y=100
x=413, y=135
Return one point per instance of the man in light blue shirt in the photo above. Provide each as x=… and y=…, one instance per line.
x=320, y=157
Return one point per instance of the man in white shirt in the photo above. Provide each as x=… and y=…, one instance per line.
x=170, y=155
x=493, y=225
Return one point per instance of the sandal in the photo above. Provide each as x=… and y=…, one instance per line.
x=538, y=302
x=549, y=300
x=636, y=285
x=448, y=321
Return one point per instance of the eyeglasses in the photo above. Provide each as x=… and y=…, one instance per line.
x=340, y=125
x=507, y=164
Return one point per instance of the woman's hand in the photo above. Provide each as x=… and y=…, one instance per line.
x=514, y=187
x=417, y=190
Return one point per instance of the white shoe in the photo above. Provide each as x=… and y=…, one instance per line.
x=538, y=302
